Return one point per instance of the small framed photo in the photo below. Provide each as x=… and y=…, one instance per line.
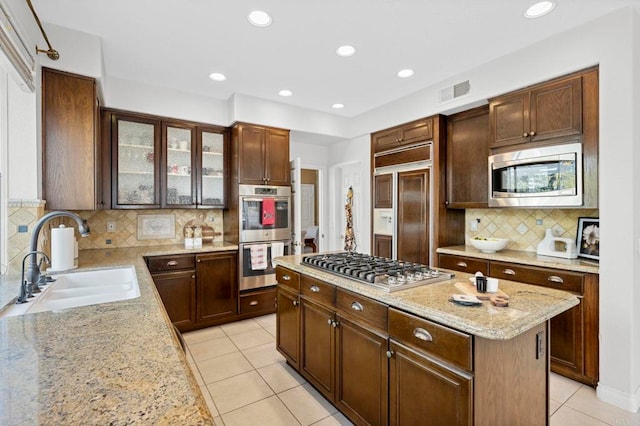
x=589, y=237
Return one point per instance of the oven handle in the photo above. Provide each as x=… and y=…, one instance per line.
x=266, y=243
x=260, y=199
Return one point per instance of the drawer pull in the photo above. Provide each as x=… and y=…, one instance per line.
x=172, y=263
x=555, y=279
x=315, y=289
x=462, y=264
x=253, y=303
x=509, y=272
x=286, y=277
x=422, y=334
x=295, y=303
x=357, y=306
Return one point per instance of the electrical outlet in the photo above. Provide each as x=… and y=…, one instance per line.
x=538, y=221
x=111, y=226
x=473, y=225
x=107, y=242
x=23, y=228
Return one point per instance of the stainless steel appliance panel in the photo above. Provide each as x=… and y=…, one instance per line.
x=252, y=226
x=255, y=278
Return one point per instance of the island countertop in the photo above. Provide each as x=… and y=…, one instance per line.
x=529, y=305
x=112, y=363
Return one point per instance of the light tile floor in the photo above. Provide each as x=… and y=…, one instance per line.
x=245, y=381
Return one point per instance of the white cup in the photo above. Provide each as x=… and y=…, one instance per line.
x=492, y=285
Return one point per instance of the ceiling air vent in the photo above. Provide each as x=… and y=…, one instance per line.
x=455, y=91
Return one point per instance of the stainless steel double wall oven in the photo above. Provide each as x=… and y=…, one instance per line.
x=264, y=230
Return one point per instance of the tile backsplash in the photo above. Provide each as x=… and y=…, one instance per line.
x=525, y=228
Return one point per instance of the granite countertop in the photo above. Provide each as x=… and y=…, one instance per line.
x=113, y=363
x=525, y=258
x=529, y=305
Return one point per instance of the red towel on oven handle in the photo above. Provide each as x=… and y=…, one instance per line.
x=268, y=211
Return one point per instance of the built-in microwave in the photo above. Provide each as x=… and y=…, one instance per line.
x=548, y=176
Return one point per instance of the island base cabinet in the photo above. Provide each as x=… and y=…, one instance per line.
x=512, y=379
x=423, y=391
x=362, y=383
x=288, y=326
x=318, y=347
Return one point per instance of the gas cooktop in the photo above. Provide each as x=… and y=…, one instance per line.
x=386, y=274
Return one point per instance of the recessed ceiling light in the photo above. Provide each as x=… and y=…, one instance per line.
x=539, y=9
x=346, y=51
x=260, y=18
x=216, y=76
x=405, y=73
x=285, y=92
x=337, y=106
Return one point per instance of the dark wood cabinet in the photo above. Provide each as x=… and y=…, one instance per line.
x=413, y=216
x=405, y=134
x=159, y=162
x=547, y=111
x=262, y=155
x=178, y=293
x=362, y=386
x=175, y=280
x=217, y=286
x=467, y=154
x=421, y=389
x=573, y=334
x=383, y=191
x=72, y=164
x=288, y=326
x=317, y=357
x=383, y=245
x=197, y=290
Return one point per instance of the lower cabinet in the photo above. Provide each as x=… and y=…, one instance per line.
x=317, y=358
x=197, y=290
x=288, y=326
x=217, y=286
x=383, y=245
x=423, y=391
x=178, y=293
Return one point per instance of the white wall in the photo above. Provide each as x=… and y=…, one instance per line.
x=22, y=143
x=80, y=52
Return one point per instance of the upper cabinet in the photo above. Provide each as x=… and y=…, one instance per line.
x=262, y=154
x=162, y=163
x=546, y=111
x=405, y=134
x=71, y=144
x=467, y=151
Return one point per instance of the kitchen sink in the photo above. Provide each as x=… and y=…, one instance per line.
x=74, y=289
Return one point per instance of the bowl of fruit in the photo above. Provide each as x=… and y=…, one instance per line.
x=489, y=245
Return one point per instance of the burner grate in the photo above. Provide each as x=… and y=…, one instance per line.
x=381, y=272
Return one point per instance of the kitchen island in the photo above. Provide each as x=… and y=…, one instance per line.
x=112, y=363
x=412, y=356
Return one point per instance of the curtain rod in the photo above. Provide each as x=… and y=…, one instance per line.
x=51, y=52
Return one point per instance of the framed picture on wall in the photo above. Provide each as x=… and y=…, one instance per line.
x=589, y=237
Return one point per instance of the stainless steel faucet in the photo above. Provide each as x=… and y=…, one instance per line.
x=33, y=270
x=26, y=288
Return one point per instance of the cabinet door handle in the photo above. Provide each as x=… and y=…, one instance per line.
x=172, y=263
x=422, y=334
x=295, y=303
x=525, y=134
x=330, y=321
x=509, y=272
x=555, y=279
x=462, y=264
x=357, y=306
x=532, y=133
x=335, y=324
x=253, y=303
x=193, y=276
x=286, y=277
x=199, y=260
x=315, y=289
x=390, y=354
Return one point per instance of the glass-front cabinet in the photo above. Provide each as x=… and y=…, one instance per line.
x=179, y=173
x=135, y=162
x=212, y=164
x=160, y=163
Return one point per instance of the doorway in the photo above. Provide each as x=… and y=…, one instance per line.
x=309, y=212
